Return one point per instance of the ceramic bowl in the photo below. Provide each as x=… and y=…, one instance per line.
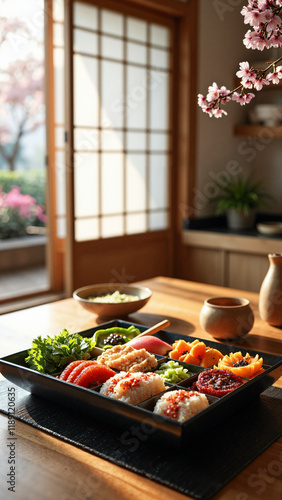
x=227, y=317
x=269, y=227
x=267, y=114
x=112, y=310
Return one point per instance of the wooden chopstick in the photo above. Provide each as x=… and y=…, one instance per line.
x=156, y=328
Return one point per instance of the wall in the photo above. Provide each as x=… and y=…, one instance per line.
x=220, y=49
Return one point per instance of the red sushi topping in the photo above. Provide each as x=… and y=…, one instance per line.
x=132, y=382
x=174, y=400
x=78, y=369
x=69, y=368
x=94, y=375
x=217, y=382
x=111, y=388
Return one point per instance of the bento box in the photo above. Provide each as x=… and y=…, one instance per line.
x=140, y=417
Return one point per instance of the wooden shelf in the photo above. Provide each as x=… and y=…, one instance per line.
x=257, y=130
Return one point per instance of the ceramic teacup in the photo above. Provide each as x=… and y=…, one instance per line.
x=227, y=317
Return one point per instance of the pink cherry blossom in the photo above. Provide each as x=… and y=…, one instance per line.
x=248, y=83
x=260, y=82
x=21, y=95
x=242, y=99
x=262, y=4
x=273, y=23
x=213, y=92
x=219, y=112
x=202, y=101
x=265, y=18
x=275, y=76
x=276, y=41
x=244, y=70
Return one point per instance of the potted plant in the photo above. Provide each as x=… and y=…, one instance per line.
x=239, y=200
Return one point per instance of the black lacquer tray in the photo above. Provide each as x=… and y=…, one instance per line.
x=140, y=418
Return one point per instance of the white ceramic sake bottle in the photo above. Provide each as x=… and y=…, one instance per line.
x=270, y=297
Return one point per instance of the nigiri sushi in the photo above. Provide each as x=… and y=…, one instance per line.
x=180, y=405
x=133, y=388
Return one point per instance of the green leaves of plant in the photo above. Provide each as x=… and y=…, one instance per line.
x=241, y=194
x=50, y=355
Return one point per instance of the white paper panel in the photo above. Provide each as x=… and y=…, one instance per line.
x=136, y=30
x=86, y=139
x=112, y=226
x=112, y=94
x=85, y=91
x=60, y=183
x=58, y=10
x=158, y=221
x=112, y=183
x=136, y=141
x=85, y=16
x=86, y=184
x=136, y=97
x=135, y=223
x=86, y=229
x=159, y=35
x=136, y=53
x=111, y=140
x=112, y=23
x=112, y=48
x=59, y=86
x=159, y=58
x=158, y=181
x=59, y=137
x=159, y=100
x=61, y=227
x=58, y=34
x=86, y=42
x=135, y=182
x=158, y=142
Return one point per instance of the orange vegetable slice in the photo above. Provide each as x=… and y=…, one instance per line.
x=190, y=359
x=195, y=342
x=198, y=351
x=211, y=357
x=244, y=366
x=180, y=347
x=195, y=353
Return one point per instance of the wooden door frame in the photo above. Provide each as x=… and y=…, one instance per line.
x=184, y=16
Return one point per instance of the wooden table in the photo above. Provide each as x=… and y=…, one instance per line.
x=48, y=468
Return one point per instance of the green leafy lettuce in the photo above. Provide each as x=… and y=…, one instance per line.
x=52, y=354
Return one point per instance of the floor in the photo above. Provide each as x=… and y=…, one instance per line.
x=18, y=283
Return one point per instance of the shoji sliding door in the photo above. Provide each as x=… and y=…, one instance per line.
x=119, y=143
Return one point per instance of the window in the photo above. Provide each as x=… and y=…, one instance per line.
x=121, y=78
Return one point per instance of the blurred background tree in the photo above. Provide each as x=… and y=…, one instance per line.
x=21, y=92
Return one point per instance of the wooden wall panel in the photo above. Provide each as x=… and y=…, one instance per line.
x=203, y=265
x=246, y=272
x=131, y=260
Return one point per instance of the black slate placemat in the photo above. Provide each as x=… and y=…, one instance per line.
x=198, y=471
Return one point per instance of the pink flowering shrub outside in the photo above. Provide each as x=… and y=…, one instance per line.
x=17, y=212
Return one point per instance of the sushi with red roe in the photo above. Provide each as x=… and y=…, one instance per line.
x=180, y=405
x=134, y=387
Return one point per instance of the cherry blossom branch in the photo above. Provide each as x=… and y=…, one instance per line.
x=265, y=17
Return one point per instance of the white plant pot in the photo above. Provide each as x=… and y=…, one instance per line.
x=236, y=219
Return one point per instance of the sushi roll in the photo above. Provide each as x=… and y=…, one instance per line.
x=180, y=405
x=133, y=388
